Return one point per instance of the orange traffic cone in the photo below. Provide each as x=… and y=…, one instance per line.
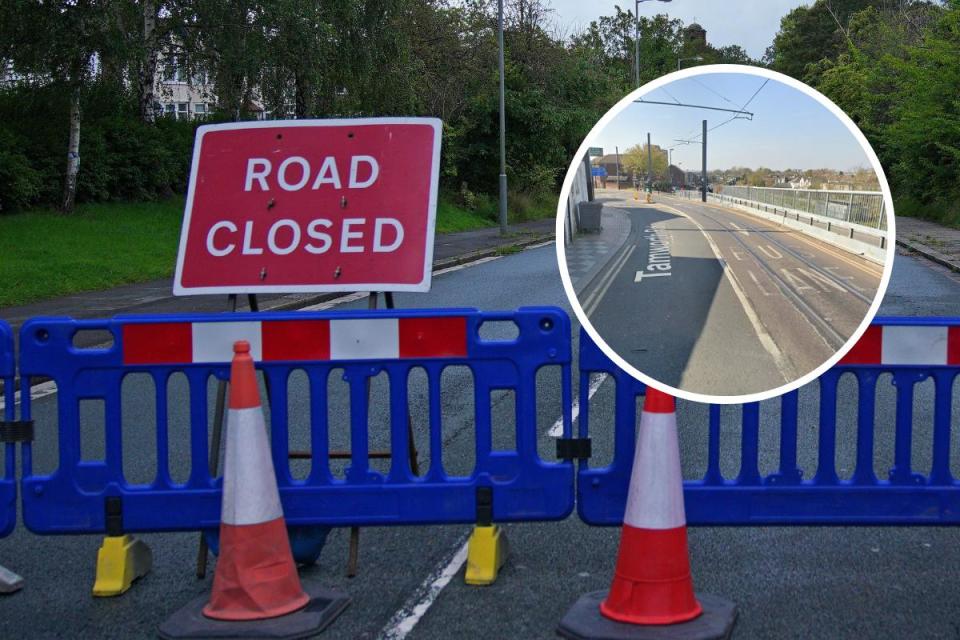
x=652, y=591
x=256, y=581
x=652, y=582
x=255, y=577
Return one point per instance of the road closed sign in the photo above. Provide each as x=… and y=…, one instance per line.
x=311, y=205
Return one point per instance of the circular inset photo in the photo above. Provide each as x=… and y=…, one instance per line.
x=725, y=233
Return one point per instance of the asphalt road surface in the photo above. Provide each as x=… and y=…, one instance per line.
x=698, y=287
x=828, y=582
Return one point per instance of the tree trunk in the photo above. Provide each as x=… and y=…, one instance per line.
x=148, y=62
x=73, y=153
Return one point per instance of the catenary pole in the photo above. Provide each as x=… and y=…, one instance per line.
x=704, y=175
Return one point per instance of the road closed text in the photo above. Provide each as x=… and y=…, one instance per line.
x=318, y=236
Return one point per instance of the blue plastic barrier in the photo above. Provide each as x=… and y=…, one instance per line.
x=75, y=498
x=901, y=347
x=8, y=485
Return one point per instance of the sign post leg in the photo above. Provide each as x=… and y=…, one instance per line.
x=354, y=552
x=216, y=438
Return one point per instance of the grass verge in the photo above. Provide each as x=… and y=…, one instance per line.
x=44, y=254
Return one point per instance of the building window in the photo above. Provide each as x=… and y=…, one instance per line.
x=170, y=110
x=183, y=111
x=173, y=70
x=200, y=108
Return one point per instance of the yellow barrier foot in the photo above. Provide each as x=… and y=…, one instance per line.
x=486, y=552
x=120, y=561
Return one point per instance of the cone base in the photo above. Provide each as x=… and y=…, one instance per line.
x=585, y=622
x=324, y=607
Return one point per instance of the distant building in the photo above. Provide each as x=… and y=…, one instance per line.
x=609, y=162
x=677, y=177
x=694, y=36
x=800, y=182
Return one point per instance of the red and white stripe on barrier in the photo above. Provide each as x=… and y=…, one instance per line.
x=279, y=340
x=906, y=345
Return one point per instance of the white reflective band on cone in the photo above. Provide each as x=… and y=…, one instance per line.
x=250, y=493
x=655, y=497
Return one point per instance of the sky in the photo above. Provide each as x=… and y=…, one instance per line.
x=789, y=129
x=748, y=23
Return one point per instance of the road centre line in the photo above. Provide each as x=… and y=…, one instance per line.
x=556, y=431
x=782, y=364
x=420, y=601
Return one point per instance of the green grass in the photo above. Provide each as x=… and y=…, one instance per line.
x=452, y=218
x=44, y=254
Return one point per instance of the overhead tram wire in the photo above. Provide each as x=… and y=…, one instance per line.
x=736, y=116
x=714, y=91
x=664, y=89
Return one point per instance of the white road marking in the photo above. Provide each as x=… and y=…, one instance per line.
x=739, y=228
x=404, y=620
x=590, y=304
x=556, y=430
x=824, y=282
x=643, y=274
x=36, y=391
x=797, y=283
x=757, y=282
x=770, y=251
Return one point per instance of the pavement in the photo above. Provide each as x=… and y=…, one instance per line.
x=933, y=241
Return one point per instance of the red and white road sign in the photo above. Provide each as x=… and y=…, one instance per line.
x=311, y=205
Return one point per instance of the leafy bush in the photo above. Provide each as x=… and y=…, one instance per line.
x=20, y=182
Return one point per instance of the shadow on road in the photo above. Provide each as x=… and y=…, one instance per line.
x=654, y=324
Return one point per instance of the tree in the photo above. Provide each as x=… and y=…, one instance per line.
x=811, y=33
x=60, y=42
x=636, y=161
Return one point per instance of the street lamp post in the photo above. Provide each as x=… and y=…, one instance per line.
x=679, y=60
x=636, y=39
x=503, y=128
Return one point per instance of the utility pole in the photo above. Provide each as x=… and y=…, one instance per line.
x=503, y=129
x=649, y=163
x=704, y=175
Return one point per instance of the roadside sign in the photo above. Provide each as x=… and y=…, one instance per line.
x=595, y=152
x=599, y=172
x=311, y=205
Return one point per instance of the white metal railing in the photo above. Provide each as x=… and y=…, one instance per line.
x=860, y=207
